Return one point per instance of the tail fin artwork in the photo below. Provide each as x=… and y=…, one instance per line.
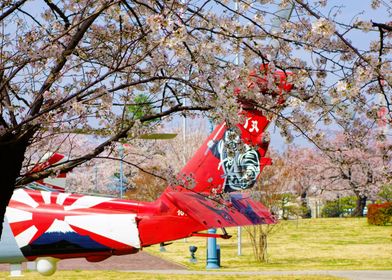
x=229, y=161
x=232, y=158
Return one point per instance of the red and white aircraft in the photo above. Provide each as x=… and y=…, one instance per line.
x=50, y=226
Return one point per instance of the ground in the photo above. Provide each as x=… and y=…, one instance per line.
x=139, y=261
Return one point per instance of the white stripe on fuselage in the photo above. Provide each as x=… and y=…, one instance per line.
x=61, y=198
x=25, y=237
x=16, y=215
x=22, y=196
x=46, y=197
x=118, y=227
x=87, y=202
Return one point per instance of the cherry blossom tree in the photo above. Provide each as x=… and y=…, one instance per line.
x=356, y=162
x=303, y=168
x=76, y=66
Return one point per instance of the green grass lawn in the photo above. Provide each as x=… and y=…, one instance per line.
x=335, y=244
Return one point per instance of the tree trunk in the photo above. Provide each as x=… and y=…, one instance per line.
x=360, y=206
x=12, y=151
x=258, y=235
x=264, y=247
x=304, y=203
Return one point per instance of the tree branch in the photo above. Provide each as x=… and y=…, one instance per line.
x=12, y=9
x=384, y=26
x=355, y=50
x=123, y=133
x=77, y=37
x=55, y=9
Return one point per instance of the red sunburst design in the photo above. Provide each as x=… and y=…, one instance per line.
x=43, y=213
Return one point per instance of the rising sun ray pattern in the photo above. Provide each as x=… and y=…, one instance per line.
x=39, y=219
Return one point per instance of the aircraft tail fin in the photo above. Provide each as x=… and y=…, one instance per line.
x=229, y=161
x=232, y=158
x=54, y=184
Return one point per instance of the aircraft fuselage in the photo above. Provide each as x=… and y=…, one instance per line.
x=60, y=225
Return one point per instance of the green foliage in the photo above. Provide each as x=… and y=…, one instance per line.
x=339, y=207
x=386, y=193
x=288, y=204
x=380, y=214
x=141, y=107
x=306, y=212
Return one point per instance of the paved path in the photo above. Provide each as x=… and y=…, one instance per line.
x=146, y=263
x=139, y=261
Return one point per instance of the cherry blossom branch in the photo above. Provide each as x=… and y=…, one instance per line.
x=77, y=37
x=136, y=166
x=14, y=7
x=382, y=29
x=347, y=43
x=123, y=133
x=56, y=10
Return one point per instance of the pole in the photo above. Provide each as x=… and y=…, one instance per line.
x=279, y=17
x=212, y=253
x=121, y=150
x=184, y=134
x=237, y=62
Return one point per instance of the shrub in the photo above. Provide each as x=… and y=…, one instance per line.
x=338, y=207
x=380, y=214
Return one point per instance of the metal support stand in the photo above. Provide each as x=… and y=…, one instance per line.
x=162, y=247
x=32, y=266
x=16, y=270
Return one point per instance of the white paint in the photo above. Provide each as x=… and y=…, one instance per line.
x=15, y=215
x=25, y=237
x=46, y=196
x=87, y=202
x=22, y=196
x=59, y=226
x=118, y=227
x=219, y=131
x=61, y=198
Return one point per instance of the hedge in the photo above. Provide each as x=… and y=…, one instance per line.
x=380, y=214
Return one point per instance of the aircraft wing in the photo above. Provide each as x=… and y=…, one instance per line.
x=240, y=210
